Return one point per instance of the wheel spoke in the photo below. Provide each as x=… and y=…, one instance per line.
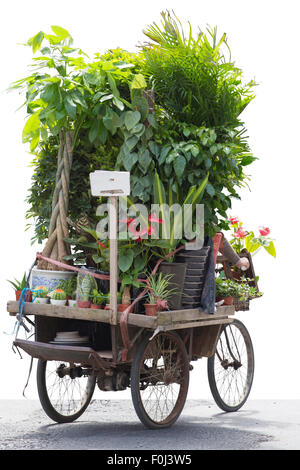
x=162, y=379
x=230, y=369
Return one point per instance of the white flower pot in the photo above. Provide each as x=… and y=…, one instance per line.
x=49, y=279
x=72, y=303
x=41, y=300
x=58, y=302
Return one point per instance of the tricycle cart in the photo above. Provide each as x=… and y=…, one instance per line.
x=149, y=354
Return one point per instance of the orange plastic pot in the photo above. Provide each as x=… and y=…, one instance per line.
x=28, y=296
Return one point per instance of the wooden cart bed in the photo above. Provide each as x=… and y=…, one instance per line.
x=166, y=320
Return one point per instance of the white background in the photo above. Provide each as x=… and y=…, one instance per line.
x=264, y=42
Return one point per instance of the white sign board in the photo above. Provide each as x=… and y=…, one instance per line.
x=110, y=183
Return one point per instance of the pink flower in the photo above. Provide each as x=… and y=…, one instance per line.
x=101, y=244
x=240, y=233
x=162, y=304
x=153, y=218
x=264, y=231
x=233, y=220
x=127, y=221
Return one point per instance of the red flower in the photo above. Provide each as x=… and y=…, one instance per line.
x=101, y=244
x=140, y=233
x=127, y=221
x=264, y=231
x=233, y=220
x=240, y=233
x=153, y=218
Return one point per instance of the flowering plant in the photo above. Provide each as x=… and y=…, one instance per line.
x=247, y=239
x=57, y=294
x=41, y=292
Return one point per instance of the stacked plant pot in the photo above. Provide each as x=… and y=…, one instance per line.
x=194, y=277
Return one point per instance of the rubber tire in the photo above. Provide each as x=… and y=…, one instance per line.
x=46, y=403
x=135, y=384
x=211, y=376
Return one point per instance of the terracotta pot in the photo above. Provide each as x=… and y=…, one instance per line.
x=227, y=300
x=83, y=303
x=151, y=309
x=96, y=307
x=121, y=307
x=28, y=296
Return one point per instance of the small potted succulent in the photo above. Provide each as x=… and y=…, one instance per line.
x=159, y=293
x=19, y=286
x=85, y=286
x=58, y=297
x=98, y=299
x=40, y=295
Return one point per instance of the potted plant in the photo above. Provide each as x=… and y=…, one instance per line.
x=19, y=286
x=159, y=293
x=226, y=290
x=40, y=295
x=85, y=285
x=121, y=305
x=69, y=287
x=58, y=297
x=98, y=299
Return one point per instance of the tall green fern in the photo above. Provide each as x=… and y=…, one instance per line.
x=192, y=77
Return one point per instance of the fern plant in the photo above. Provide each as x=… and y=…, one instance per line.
x=193, y=78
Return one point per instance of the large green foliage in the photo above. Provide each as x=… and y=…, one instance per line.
x=193, y=133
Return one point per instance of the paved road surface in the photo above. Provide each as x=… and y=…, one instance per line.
x=113, y=425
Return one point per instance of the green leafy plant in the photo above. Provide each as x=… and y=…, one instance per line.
x=69, y=286
x=19, y=285
x=193, y=77
x=98, y=297
x=226, y=288
x=160, y=288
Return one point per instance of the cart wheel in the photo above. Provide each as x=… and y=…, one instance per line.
x=64, y=393
x=231, y=367
x=159, y=379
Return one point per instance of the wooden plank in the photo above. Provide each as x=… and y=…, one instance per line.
x=73, y=313
x=193, y=324
x=174, y=316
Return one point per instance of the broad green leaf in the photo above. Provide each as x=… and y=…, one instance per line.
x=37, y=41
x=113, y=86
x=271, y=249
x=59, y=31
x=131, y=119
x=152, y=121
x=94, y=130
x=179, y=165
x=129, y=160
x=139, y=263
x=70, y=106
x=210, y=190
x=131, y=142
x=125, y=260
x=32, y=124
x=145, y=160
x=119, y=104
x=154, y=147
